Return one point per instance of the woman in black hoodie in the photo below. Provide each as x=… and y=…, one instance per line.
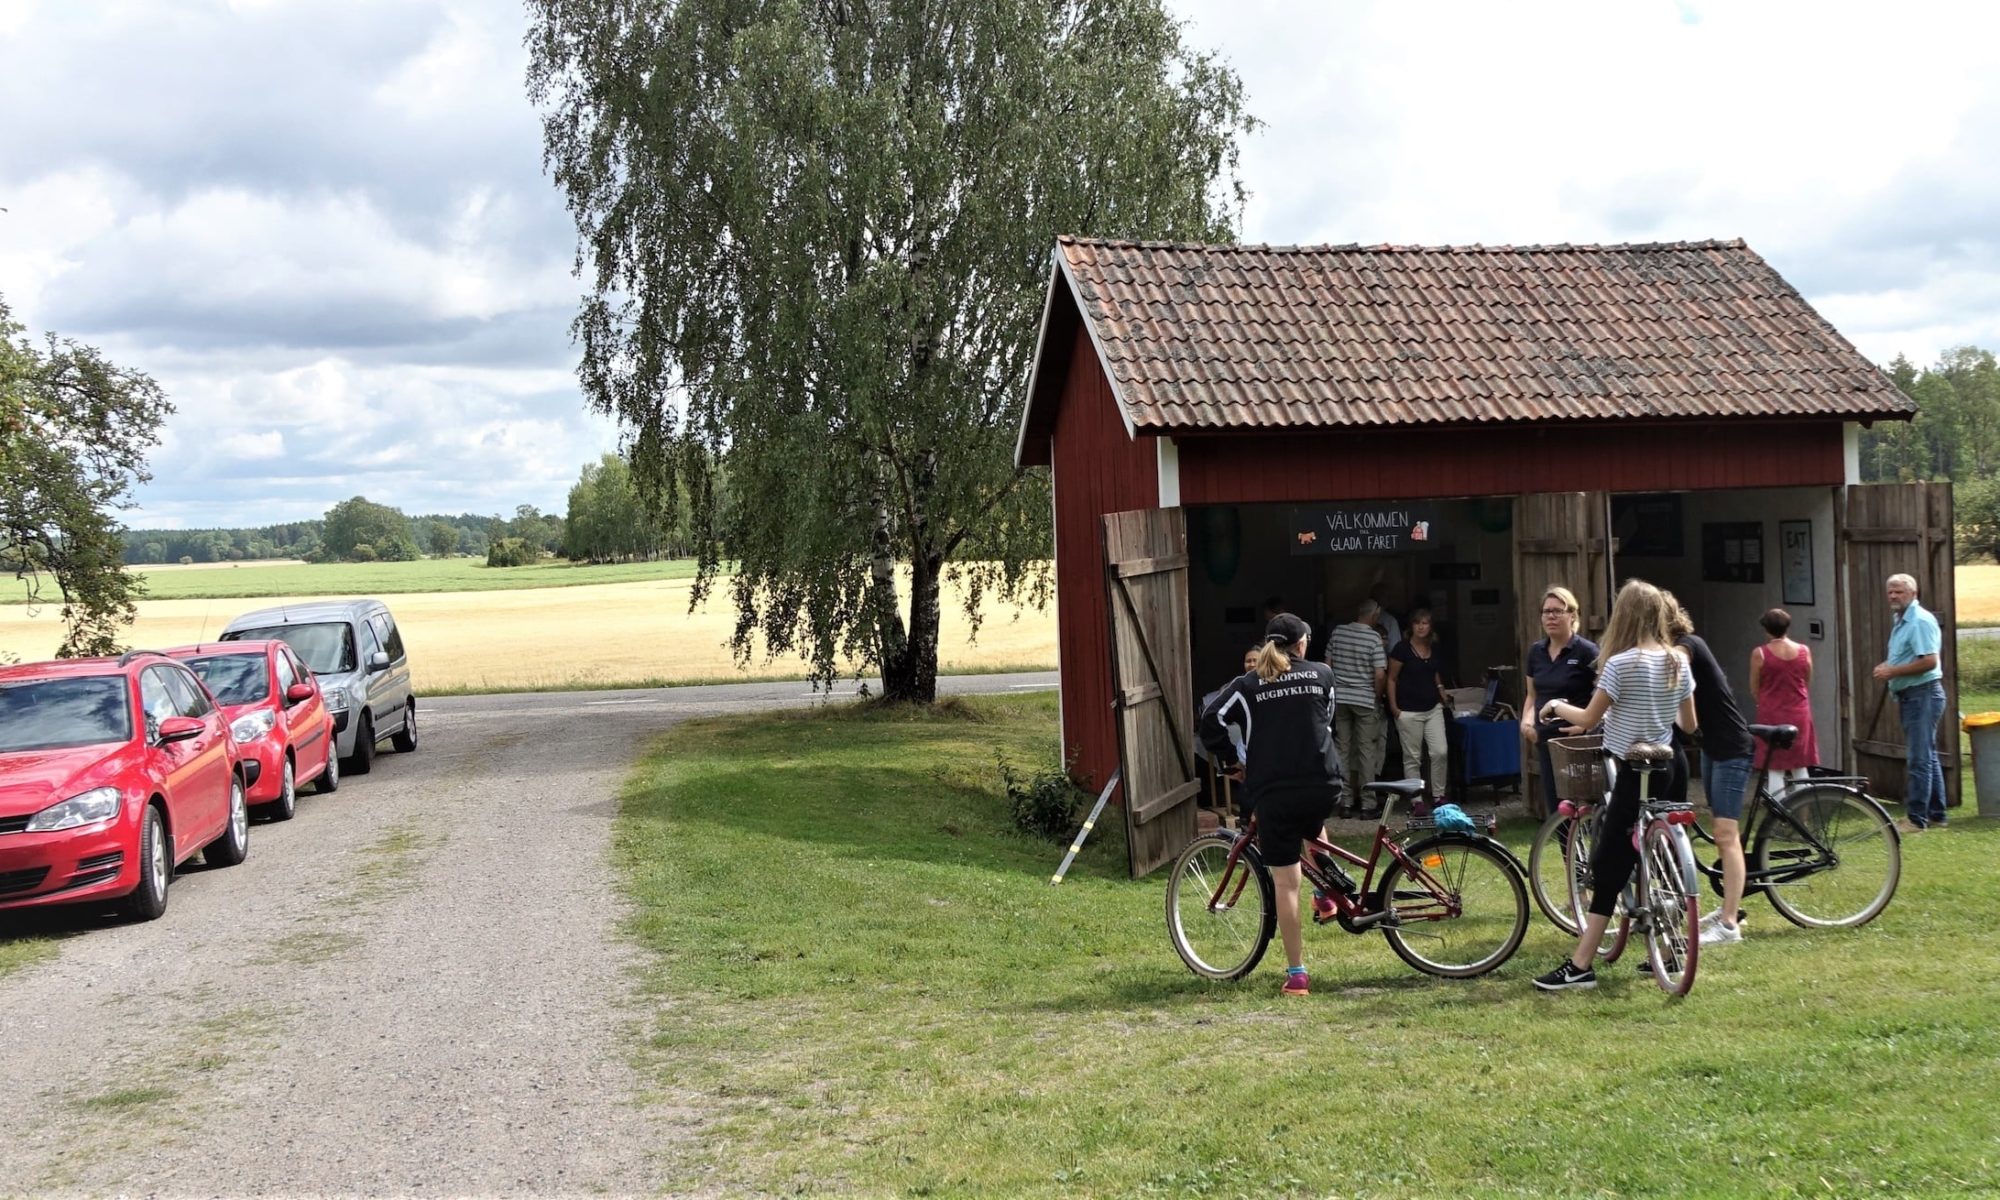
x=1292, y=774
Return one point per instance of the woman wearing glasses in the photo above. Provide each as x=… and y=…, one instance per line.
x=1561, y=666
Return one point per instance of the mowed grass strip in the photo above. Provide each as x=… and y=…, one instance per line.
x=862, y=982
x=223, y=581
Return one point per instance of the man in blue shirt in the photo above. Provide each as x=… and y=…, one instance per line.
x=1914, y=679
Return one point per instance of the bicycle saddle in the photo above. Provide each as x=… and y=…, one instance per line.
x=1649, y=754
x=1780, y=736
x=1399, y=787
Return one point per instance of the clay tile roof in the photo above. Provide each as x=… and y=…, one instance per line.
x=1225, y=337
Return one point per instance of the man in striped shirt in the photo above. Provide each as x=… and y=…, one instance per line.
x=1360, y=664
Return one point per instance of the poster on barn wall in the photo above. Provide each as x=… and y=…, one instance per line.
x=1359, y=529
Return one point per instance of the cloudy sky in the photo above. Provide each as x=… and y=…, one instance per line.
x=322, y=224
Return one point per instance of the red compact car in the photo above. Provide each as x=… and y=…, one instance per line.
x=276, y=717
x=113, y=771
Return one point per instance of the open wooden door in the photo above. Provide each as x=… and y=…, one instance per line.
x=1559, y=538
x=1889, y=529
x=1152, y=681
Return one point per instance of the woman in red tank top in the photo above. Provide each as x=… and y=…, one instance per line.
x=1781, y=678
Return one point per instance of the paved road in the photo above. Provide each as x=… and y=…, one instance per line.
x=415, y=987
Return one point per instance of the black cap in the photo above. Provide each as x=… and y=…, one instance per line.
x=1285, y=629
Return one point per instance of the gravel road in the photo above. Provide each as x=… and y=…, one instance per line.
x=414, y=987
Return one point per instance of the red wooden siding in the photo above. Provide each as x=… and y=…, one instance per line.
x=1097, y=469
x=1307, y=467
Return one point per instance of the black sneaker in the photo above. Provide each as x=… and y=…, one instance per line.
x=1568, y=975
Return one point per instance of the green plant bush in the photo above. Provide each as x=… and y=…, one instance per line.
x=511, y=552
x=1046, y=803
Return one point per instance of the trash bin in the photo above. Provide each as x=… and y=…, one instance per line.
x=1985, y=731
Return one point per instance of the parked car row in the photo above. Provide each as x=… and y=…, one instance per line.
x=114, y=771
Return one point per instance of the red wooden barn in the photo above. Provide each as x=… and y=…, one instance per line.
x=1471, y=424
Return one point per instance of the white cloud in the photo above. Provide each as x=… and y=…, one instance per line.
x=322, y=224
x=1796, y=126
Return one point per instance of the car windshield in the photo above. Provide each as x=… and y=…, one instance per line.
x=328, y=649
x=235, y=678
x=52, y=714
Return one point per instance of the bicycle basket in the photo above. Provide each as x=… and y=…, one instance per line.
x=1579, y=767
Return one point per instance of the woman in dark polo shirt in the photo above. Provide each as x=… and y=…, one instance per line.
x=1562, y=666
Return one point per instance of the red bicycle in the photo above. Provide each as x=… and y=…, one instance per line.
x=1450, y=904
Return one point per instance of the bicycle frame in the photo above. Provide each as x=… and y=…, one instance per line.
x=1233, y=881
x=1765, y=806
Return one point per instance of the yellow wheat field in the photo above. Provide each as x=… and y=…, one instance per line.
x=562, y=637
x=1978, y=589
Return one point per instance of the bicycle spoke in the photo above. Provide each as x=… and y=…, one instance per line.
x=1843, y=885
x=1474, y=926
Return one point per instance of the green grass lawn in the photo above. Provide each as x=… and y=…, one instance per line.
x=378, y=579
x=861, y=981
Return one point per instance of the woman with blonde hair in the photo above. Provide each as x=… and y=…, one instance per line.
x=1644, y=689
x=1561, y=666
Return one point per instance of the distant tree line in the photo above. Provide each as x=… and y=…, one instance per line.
x=1955, y=436
x=609, y=520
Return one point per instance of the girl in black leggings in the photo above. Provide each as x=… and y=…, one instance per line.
x=1644, y=689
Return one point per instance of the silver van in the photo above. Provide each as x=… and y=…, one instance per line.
x=355, y=649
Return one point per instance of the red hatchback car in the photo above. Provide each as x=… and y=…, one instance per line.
x=113, y=771
x=276, y=717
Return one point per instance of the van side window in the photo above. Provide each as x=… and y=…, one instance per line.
x=369, y=643
x=154, y=698
x=193, y=702
x=392, y=638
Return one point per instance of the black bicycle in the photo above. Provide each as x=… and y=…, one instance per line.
x=1822, y=850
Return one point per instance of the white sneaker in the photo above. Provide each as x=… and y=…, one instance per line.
x=1715, y=933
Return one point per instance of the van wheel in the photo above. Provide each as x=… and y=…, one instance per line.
x=329, y=779
x=156, y=867
x=234, y=844
x=363, y=759
x=405, y=739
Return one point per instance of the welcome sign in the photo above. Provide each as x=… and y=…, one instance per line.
x=1349, y=529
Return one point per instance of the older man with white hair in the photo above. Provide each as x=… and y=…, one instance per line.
x=1917, y=683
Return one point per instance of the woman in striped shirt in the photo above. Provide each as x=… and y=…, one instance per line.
x=1644, y=688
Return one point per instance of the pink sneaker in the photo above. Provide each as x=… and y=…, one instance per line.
x=1324, y=909
x=1295, y=985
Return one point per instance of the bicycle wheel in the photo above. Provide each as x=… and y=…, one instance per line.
x=1673, y=907
x=1851, y=880
x=1548, y=874
x=1220, y=937
x=1576, y=858
x=1464, y=911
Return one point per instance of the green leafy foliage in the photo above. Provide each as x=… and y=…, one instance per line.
x=610, y=520
x=74, y=433
x=1955, y=435
x=1045, y=803
x=511, y=552
x=359, y=531
x=817, y=238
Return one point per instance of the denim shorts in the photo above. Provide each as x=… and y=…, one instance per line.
x=1726, y=781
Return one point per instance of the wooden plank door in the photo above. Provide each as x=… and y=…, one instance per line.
x=1889, y=529
x=1152, y=681
x=1559, y=538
